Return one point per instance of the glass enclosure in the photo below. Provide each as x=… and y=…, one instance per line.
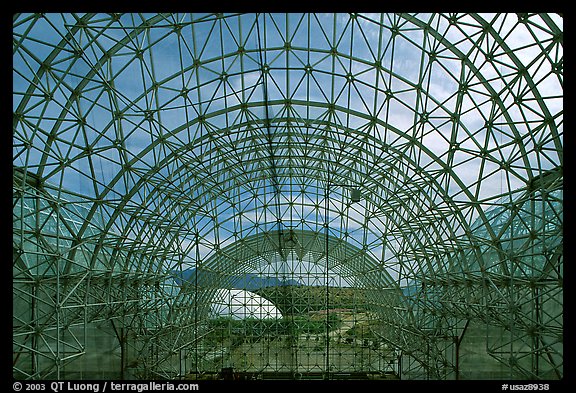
x=287, y=196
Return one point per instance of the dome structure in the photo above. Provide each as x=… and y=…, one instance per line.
x=241, y=304
x=403, y=168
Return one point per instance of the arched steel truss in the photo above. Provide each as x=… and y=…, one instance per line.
x=147, y=145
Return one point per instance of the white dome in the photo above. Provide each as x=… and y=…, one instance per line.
x=240, y=304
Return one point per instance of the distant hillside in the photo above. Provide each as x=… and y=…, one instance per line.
x=248, y=282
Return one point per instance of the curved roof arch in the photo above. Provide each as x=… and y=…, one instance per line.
x=250, y=254
x=437, y=45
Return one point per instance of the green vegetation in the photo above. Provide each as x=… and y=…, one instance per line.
x=303, y=309
x=226, y=327
x=363, y=330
